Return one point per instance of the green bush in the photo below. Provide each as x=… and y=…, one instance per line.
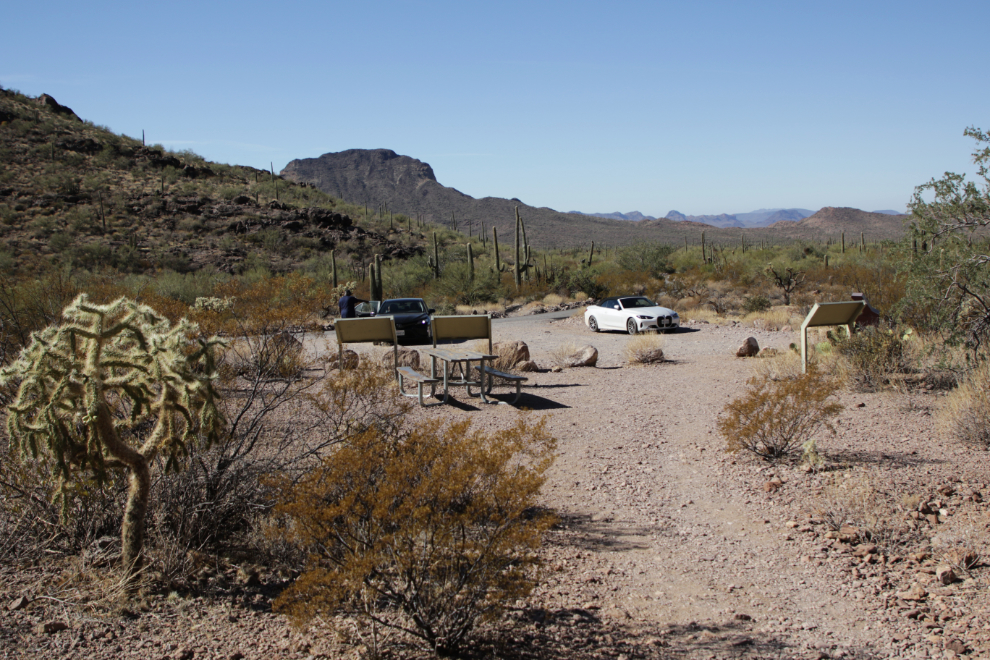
x=873, y=355
x=757, y=303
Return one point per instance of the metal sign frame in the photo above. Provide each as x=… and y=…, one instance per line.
x=822, y=314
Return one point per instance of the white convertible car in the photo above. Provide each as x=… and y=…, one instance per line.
x=632, y=314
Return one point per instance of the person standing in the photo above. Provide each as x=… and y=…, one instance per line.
x=347, y=304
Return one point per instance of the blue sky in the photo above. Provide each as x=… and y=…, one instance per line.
x=703, y=107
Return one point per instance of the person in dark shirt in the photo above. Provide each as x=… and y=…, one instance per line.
x=347, y=304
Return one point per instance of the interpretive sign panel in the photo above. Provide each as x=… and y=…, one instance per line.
x=837, y=313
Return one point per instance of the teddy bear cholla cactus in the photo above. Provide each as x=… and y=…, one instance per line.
x=88, y=387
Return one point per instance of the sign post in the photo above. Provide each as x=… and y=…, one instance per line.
x=837, y=313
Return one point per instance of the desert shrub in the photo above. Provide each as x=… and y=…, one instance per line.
x=965, y=415
x=775, y=416
x=645, y=348
x=873, y=355
x=756, y=303
x=427, y=533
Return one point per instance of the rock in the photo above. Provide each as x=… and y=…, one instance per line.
x=848, y=534
x=864, y=549
x=407, y=357
x=749, y=348
x=915, y=593
x=957, y=646
x=51, y=627
x=945, y=575
x=769, y=352
x=773, y=486
x=351, y=360
x=514, y=351
x=527, y=366
x=962, y=557
x=57, y=107
x=743, y=617
x=586, y=356
x=555, y=370
x=18, y=603
x=649, y=356
x=242, y=200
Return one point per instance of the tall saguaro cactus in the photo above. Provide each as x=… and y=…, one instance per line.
x=470, y=257
x=498, y=263
x=109, y=369
x=333, y=267
x=436, y=257
x=517, y=266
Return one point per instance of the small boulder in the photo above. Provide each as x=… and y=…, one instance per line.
x=773, y=485
x=407, y=357
x=515, y=351
x=51, y=627
x=351, y=360
x=945, y=575
x=586, y=356
x=527, y=366
x=915, y=593
x=18, y=603
x=749, y=348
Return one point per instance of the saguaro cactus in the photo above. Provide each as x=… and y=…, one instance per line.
x=333, y=267
x=76, y=379
x=517, y=266
x=470, y=256
x=436, y=257
x=498, y=263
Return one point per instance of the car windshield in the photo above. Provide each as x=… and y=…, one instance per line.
x=628, y=303
x=402, y=307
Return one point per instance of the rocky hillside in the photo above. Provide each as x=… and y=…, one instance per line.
x=75, y=194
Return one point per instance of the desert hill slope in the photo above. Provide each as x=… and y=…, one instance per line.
x=407, y=185
x=75, y=194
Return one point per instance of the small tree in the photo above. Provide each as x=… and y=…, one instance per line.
x=109, y=389
x=787, y=280
x=951, y=271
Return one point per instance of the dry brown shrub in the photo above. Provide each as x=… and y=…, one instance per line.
x=965, y=415
x=427, y=533
x=645, y=348
x=775, y=416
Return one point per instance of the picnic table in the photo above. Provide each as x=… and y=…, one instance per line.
x=459, y=359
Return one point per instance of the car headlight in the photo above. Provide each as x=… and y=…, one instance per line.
x=648, y=318
x=424, y=321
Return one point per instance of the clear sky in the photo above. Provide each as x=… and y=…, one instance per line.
x=699, y=106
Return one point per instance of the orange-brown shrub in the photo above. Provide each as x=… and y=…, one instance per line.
x=427, y=533
x=775, y=416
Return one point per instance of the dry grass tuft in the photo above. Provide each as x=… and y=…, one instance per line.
x=561, y=354
x=772, y=319
x=860, y=505
x=480, y=308
x=645, y=348
x=552, y=299
x=965, y=415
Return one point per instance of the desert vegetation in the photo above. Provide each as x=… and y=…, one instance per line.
x=166, y=433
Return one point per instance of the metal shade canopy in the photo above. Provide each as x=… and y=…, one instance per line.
x=837, y=313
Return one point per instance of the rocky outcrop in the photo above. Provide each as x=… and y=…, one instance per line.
x=56, y=107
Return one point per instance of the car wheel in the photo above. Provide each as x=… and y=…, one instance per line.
x=593, y=323
x=631, y=326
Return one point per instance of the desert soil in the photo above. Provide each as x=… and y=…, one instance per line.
x=668, y=547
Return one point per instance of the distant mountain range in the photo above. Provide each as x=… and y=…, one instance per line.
x=409, y=186
x=758, y=218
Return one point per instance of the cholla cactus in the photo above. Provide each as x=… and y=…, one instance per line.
x=88, y=385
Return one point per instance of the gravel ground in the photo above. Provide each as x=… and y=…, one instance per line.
x=668, y=547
